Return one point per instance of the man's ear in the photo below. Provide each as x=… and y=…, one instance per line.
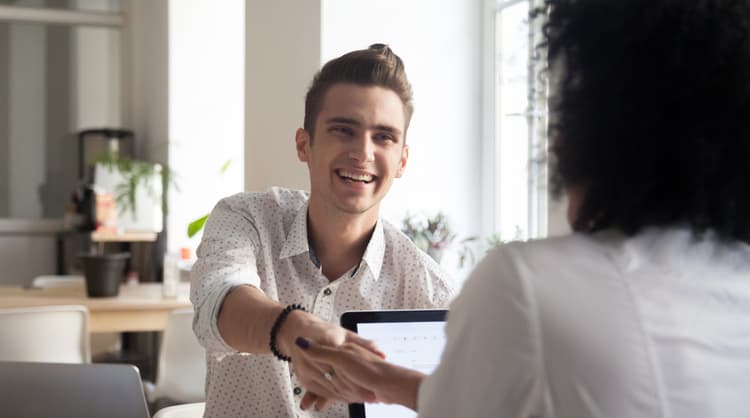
x=302, y=140
x=402, y=163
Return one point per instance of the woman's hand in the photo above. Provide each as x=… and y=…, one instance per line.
x=352, y=364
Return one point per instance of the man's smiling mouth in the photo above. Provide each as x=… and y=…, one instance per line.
x=352, y=176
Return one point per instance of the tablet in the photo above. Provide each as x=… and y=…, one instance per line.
x=409, y=338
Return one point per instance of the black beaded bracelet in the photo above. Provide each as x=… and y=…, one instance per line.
x=277, y=325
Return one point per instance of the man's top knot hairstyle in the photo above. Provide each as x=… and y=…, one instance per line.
x=374, y=66
x=651, y=112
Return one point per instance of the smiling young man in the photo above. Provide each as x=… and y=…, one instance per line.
x=283, y=263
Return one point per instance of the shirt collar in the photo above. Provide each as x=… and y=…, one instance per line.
x=375, y=251
x=296, y=243
x=296, y=239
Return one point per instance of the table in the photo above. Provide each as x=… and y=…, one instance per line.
x=137, y=308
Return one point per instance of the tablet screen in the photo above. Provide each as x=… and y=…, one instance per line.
x=416, y=345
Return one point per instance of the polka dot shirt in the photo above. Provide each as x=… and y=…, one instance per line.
x=260, y=239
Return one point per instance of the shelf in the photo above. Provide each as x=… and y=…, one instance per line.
x=128, y=236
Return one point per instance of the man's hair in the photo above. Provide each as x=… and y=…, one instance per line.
x=374, y=66
x=651, y=114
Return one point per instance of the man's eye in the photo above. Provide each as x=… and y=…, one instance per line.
x=386, y=137
x=344, y=130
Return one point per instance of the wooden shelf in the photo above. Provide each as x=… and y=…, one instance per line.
x=128, y=236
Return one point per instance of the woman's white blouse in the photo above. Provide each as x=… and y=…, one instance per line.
x=600, y=326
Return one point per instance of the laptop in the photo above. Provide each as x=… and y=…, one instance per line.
x=42, y=390
x=409, y=338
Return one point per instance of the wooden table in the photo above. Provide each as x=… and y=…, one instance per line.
x=137, y=308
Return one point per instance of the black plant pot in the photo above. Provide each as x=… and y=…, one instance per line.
x=104, y=273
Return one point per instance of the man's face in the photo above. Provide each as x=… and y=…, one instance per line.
x=357, y=148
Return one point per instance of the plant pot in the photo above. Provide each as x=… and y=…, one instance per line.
x=104, y=273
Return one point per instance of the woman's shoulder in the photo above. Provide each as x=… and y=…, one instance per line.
x=539, y=268
x=553, y=252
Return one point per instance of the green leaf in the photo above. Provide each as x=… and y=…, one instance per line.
x=195, y=226
x=131, y=193
x=225, y=166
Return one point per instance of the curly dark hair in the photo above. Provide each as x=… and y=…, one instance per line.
x=649, y=114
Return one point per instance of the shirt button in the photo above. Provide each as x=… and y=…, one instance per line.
x=297, y=390
x=327, y=292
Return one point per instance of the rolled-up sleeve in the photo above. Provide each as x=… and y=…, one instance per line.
x=226, y=258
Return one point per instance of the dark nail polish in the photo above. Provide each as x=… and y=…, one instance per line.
x=302, y=343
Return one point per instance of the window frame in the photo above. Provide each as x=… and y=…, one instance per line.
x=68, y=17
x=536, y=224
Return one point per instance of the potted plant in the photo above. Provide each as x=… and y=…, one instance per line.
x=139, y=188
x=103, y=272
x=135, y=188
x=435, y=235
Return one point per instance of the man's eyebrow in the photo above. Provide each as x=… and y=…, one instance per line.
x=348, y=121
x=354, y=122
x=387, y=128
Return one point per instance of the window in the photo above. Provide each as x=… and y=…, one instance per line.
x=515, y=173
x=60, y=71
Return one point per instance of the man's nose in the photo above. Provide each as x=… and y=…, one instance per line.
x=363, y=149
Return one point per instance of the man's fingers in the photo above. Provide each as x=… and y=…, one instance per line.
x=339, y=385
x=321, y=388
x=312, y=376
x=307, y=365
x=322, y=403
x=308, y=400
x=349, y=363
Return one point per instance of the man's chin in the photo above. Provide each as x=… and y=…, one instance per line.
x=356, y=206
x=354, y=210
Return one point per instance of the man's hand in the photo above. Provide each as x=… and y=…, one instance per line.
x=311, y=373
x=358, y=366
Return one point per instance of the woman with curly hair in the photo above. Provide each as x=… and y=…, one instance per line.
x=644, y=311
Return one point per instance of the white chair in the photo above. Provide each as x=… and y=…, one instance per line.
x=189, y=410
x=54, y=334
x=102, y=343
x=54, y=281
x=181, y=373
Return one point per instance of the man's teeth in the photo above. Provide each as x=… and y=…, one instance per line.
x=365, y=178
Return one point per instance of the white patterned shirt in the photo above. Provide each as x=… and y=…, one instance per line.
x=260, y=239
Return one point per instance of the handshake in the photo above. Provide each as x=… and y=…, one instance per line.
x=335, y=364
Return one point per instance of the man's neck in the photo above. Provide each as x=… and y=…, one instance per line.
x=339, y=239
